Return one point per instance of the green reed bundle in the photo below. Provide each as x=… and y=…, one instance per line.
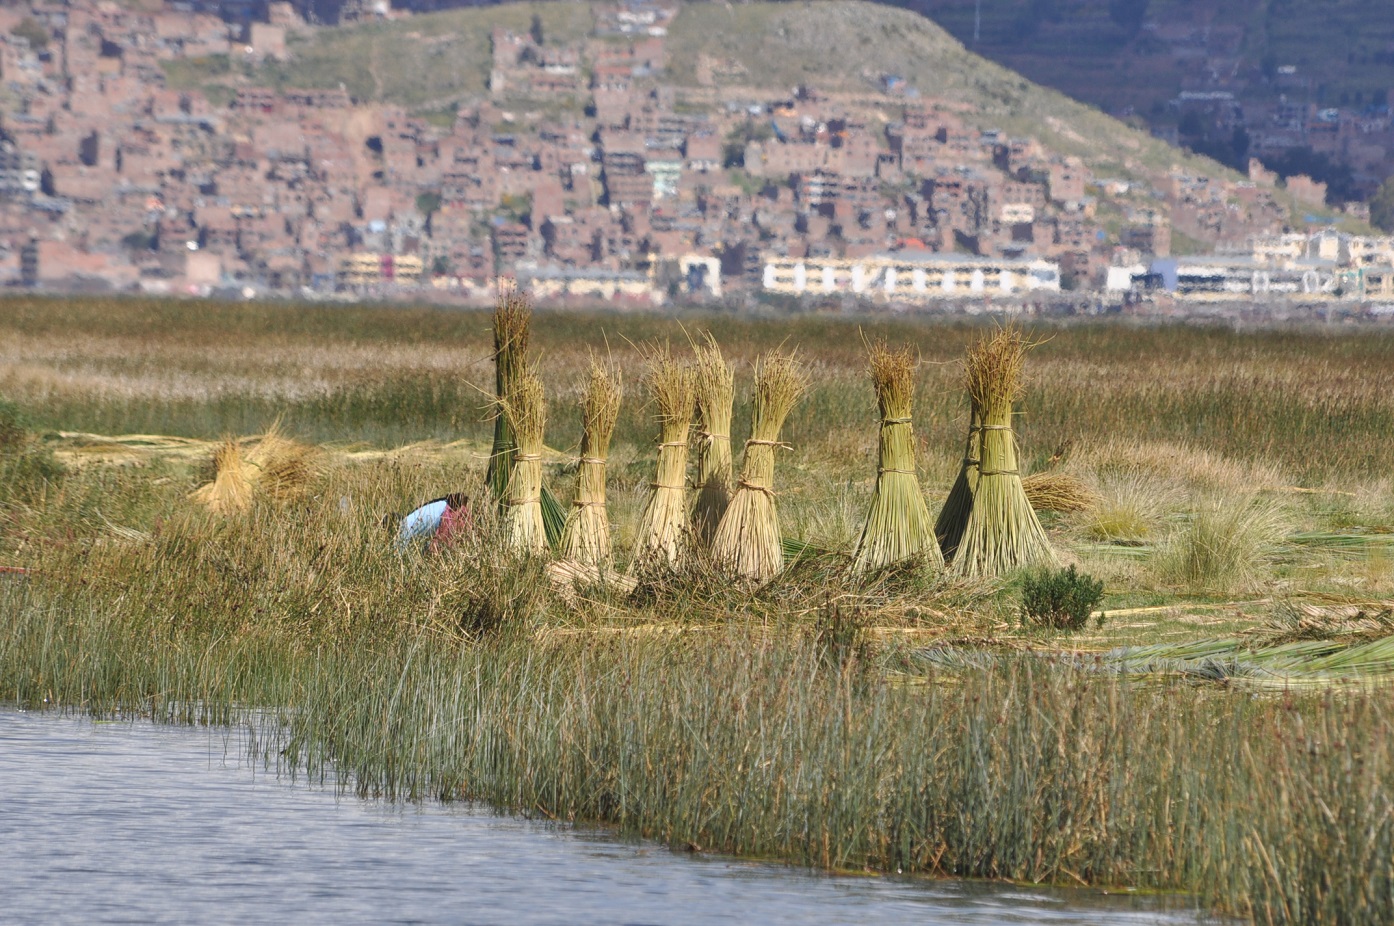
x=512, y=332
x=898, y=525
x=662, y=537
x=747, y=540
x=953, y=517
x=715, y=384
x=1002, y=532
x=526, y=411
x=586, y=538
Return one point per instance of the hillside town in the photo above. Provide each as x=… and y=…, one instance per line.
x=642, y=192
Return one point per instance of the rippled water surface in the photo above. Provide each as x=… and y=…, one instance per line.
x=136, y=823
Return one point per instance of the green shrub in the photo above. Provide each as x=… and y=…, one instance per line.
x=1061, y=599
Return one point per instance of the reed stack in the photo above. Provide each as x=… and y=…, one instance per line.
x=662, y=538
x=898, y=526
x=272, y=465
x=586, y=538
x=512, y=334
x=953, y=517
x=715, y=385
x=748, y=542
x=1002, y=532
x=230, y=491
x=526, y=411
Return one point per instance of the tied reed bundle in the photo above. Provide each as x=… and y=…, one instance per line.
x=230, y=491
x=953, y=517
x=586, y=538
x=512, y=333
x=1003, y=532
x=898, y=525
x=715, y=383
x=662, y=537
x=526, y=410
x=1059, y=492
x=747, y=541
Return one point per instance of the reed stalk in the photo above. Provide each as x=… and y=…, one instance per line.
x=586, y=538
x=526, y=411
x=1002, y=532
x=748, y=542
x=715, y=383
x=898, y=525
x=662, y=538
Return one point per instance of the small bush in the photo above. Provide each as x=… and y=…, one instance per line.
x=1061, y=599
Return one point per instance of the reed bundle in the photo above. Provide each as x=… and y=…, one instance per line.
x=586, y=538
x=272, y=465
x=230, y=491
x=747, y=541
x=663, y=527
x=953, y=517
x=512, y=334
x=1059, y=492
x=526, y=411
x=898, y=525
x=715, y=384
x=1002, y=531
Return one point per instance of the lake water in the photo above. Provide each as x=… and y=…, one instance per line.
x=141, y=823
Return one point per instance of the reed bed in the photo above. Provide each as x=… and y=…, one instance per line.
x=663, y=538
x=716, y=393
x=1002, y=532
x=898, y=526
x=1274, y=809
x=748, y=542
x=586, y=538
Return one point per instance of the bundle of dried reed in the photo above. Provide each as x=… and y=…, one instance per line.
x=526, y=410
x=1002, y=532
x=586, y=538
x=663, y=527
x=747, y=541
x=230, y=491
x=1060, y=492
x=715, y=384
x=898, y=524
x=953, y=517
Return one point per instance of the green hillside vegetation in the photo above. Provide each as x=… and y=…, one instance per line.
x=435, y=60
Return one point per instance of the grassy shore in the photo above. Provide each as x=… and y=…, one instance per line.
x=903, y=722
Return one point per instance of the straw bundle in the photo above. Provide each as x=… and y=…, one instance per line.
x=284, y=468
x=662, y=537
x=1002, y=532
x=230, y=491
x=898, y=525
x=526, y=411
x=747, y=540
x=953, y=517
x=715, y=382
x=512, y=332
x=586, y=538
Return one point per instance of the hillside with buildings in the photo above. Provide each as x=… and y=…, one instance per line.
x=635, y=151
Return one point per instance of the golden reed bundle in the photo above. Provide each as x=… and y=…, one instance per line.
x=715, y=385
x=898, y=525
x=272, y=465
x=586, y=538
x=526, y=411
x=663, y=539
x=1002, y=532
x=748, y=542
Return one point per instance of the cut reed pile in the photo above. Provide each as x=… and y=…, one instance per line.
x=1002, y=532
x=273, y=465
x=526, y=411
x=715, y=385
x=512, y=334
x=748, y=542
x=662, y=538
x=898, y=525
x=586, y=538
x=1061, y=492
